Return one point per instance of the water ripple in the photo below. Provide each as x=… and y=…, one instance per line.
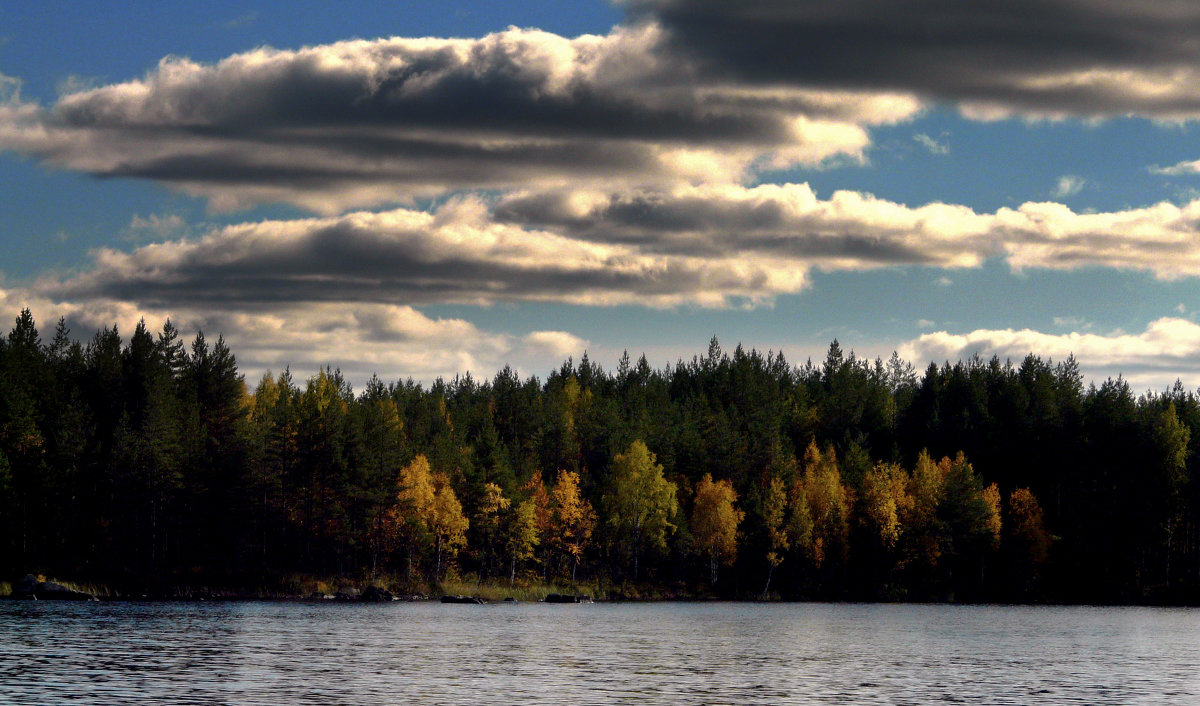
x=712, y=653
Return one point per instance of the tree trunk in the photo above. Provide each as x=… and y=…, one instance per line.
x=637, y=546
x=770, y=573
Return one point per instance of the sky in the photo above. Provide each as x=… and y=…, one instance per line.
x=422, y=190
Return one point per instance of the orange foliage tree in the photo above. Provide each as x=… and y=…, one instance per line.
x=715, y=522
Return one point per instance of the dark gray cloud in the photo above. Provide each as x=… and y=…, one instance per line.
x=1047, y=57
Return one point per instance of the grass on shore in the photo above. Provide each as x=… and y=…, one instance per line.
x=520, y=590
x=528, y=588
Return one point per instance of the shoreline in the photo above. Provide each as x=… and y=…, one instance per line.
x=464, y=592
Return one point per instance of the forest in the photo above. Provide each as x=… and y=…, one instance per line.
x=735, y=474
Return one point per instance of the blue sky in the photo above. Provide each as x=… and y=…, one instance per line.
x=423, y=207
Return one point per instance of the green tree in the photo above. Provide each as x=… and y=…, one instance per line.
x=325, y=440
x=379, y=450
x=640, y=502
x=1171, y=439
x=488, y=519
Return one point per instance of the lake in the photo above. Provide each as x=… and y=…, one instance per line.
x=651, y=653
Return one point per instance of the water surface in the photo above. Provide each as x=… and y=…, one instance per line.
x=661, y=653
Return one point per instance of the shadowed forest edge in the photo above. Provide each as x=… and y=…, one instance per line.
x=147, y=464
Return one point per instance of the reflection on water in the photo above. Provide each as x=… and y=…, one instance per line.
x=277, y=653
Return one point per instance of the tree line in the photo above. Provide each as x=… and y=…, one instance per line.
x=734, y=474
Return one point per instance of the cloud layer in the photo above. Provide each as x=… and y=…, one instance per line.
x=598, y=171
x=1047, y=58
x=707, y=246
x=688, y=91
x=788, y=226
x=364, y=123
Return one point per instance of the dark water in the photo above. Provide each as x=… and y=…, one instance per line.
x=275, y=653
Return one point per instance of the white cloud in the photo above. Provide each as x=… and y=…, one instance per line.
x=394, y=341
x=1168, y=348
x=158, y=227
x=1180, y=169
x=934, y=147
x=1068, y=185
x=75, y=83
x=1069, y=321
x=10, y=90
x=241, y=21
x=560, y=344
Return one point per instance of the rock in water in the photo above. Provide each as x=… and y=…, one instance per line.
x=463, y=599
x=30, y=588
x=561, y=598
x=377, y=594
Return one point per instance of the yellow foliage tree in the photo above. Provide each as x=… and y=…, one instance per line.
x=920, y=518
x=521, y=535
x=775, y=505
x=410, y=520
x=448, y=523
x=828, y=505
x=991, y=502
x=884, y=501
x=536, y=489
x=1028, y=527
x=800, y=521
x=572, y=519
x=715, y=522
